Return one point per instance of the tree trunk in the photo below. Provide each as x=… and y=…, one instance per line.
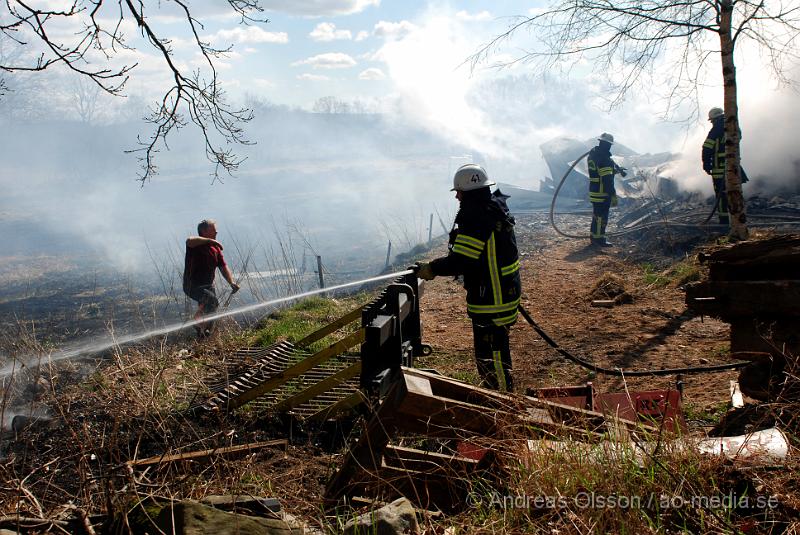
x=733, y=180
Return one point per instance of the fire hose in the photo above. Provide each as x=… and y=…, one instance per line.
x=624, y=373
x=627, y=230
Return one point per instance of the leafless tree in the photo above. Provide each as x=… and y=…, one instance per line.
x=624, y=39
x=87, y=37
x=85, y=95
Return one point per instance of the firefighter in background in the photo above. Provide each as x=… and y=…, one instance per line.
x=713, y=156
x=602, y=193
x=483, y=248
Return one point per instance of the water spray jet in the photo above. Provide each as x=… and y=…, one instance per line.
x=97, y=347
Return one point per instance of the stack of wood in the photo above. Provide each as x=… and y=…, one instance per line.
x=755, y=286
x=479, y=426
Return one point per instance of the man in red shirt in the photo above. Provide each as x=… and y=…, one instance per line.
x=203, y=257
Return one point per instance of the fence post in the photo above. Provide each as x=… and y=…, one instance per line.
x=319, y=271
x=430, y=231
x=388, y=256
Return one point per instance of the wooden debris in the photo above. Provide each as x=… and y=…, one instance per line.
x=603, y=303
x=754, y=286
x=431, y=405
x=205, y=454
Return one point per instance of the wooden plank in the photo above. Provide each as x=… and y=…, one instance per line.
x=298, y=369
x=318, y=388
x=751, y=249
x=746, y=299
x=319, y=334
x=203, y=454
x=427, y=461
x=343, y=405
x=461, y=391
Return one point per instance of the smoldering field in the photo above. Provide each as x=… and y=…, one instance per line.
x=90, y=252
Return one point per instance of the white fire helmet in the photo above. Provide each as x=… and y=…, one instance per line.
x=469, y=177
x=606, y=137
x=713, y=113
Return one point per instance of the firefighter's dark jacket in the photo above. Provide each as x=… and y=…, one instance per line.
x=483, y=248
x=601, y=174
x=714, y=150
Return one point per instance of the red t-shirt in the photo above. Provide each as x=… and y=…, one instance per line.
x=200, y=265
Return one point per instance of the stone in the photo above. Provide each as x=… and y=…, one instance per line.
x=396, y=518
x=246, y=503
x=193, y=518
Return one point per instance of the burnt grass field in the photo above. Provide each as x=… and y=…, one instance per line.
x=128, y=405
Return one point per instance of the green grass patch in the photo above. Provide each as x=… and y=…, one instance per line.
x=708, y=414
x=305, y=317
x=679, y=274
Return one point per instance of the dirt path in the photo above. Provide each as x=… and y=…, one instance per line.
x=557, y=276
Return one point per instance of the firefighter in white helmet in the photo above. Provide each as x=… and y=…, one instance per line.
x=602, y=193
x=713, y=156
x=483, y=248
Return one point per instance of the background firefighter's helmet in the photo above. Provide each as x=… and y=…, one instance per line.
x=713, y=113
x=469, y=177
x=608, y=138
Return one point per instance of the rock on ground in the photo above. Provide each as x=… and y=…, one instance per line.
x=192, y=518
x=396, y=518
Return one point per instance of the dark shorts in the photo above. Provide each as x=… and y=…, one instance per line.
x=205, y=296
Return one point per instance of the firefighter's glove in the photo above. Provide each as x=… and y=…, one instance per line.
x=623, y=172
x=614, y=200
x=425, y=271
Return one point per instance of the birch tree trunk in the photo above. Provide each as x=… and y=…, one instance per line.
x=733, y=180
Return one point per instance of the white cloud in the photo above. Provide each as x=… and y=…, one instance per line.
x=373, y=73
x=393, y=30
x=249, y=34
x=363, y=34
x=372, y=55
x=329, y=60
x=473, y=17
x=319, y=8
x=312, y=77
x=326, y=31
x=263, y=83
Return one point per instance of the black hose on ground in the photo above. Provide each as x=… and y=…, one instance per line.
x=624, y=373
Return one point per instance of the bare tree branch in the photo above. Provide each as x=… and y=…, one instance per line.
x=194, y=97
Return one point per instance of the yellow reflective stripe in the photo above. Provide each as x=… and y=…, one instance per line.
x=497, y=357
x=508, y=270
x=505, y=320
x=469, y=240
x=477, y=250
x=492, y=309
x=598, y=225
x=603, y=171
x=469, y=253
x=594, y=179
x=494, y=277
x=709, y=143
